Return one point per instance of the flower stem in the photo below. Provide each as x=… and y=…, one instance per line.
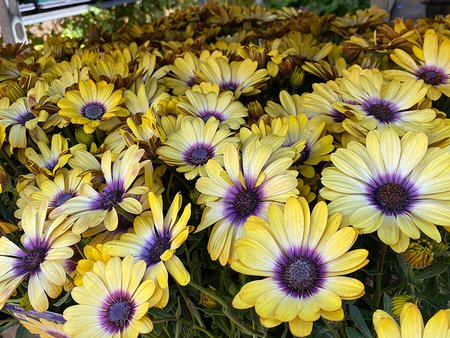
x=228, y=311
x=10, y=163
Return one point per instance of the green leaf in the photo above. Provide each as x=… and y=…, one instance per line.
x=22, y=332
x=359, y=321
x=386, y=303
x=62, y=300
x=352, y=332
x=431, y=271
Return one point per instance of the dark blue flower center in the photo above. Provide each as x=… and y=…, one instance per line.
x=93, y=110
x=110, y=198
x=156, y=249
x=119, y=313
x=246, y=202
x=382, y=110
x=300, y=275
x=199, y=156
x=25, y=117
x=431, y=76
x=61, y=198
x=206, y=115
x=304, y=155
x=229, y=85
x=32, y=261
x=392, y=198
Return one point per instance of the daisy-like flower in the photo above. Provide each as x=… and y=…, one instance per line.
x=433, y=66
x=44, y=328
x=93, y=255
x=317, y=146
x=221, y=106
x=50, y=159
x=112, y=301
x=239, y=77
x=319, y=104
x=245, y=187
x=378, y=104
x=20, y=119
x=40, y=259
x=303, y=256
x=65, y=185
x=289, y=105
x=411, y=324
x=90, y=207
x=193, y=144
x=397, y=187
x=155, y=240
x=92, y=105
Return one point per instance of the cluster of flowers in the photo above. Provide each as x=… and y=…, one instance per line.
x=290, y=134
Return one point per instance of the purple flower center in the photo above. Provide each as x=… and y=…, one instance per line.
x=119, y=313
x=61, y=198
x=384, y=111
x=299, y=274
x=229, y=85
x=110, y=198
x=392, y=198
x=304, y=155
x=32, y=261
x=25, y=117
x=205, y=115
x=152, y=253
x=198, y=154
x=431, y=75
x=336, y=116
x=245, y=202
x=93, y=110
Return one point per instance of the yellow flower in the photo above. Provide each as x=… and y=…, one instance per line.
x=112, y=302
x=395, y=186
x=432, y=66
x=92, y=105
x=411, y=324
x=419, y=253
x=93, y=255
x=50, y=159
x=194, y=143
x=154, y=240
x=303, y=256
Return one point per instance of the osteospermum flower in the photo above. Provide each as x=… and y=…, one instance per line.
x=397, y=187
x=155, y=240
x=411, y=324
x=112, y=302
x=433, y=66
x=90, y=207
x=50, y=158
x=317, y=146
x=44, y=328
x=245, y=187
x=92, y=104
x=379, y=104
x=20, y=120
x=221, y=106
x=194, y=143
x=44, y=248
x=240, y=77
x=303, y=257
x=85, y=265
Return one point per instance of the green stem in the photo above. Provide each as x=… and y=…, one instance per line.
x=330, y=327
x=179, y=179
x=379, y=277
x=228, y=311
x=10, y=163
